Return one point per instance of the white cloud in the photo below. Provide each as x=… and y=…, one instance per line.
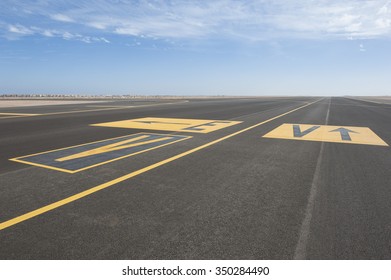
x=86, y=39
x=385, y=9
x=68, y=36
x=97, y=25
x=383, y=23
x=48, y=33
x=21, y=30
x=102, y=39
x=127, y=31
x=243, y=20
x=61, y=17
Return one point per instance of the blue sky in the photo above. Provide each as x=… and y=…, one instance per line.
x=221, y=47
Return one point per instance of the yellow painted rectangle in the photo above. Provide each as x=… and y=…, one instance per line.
x=327, y=133
x=81, y=157
x=171, y=124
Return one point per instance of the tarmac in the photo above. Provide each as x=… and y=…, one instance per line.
x=250, y=178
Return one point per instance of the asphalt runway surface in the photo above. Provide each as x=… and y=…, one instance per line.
x=251, y=178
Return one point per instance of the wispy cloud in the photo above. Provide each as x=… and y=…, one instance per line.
x=61, y=17
x=244, y=20
x=18, y=30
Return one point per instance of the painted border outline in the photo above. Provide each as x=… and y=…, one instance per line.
x=20, y=159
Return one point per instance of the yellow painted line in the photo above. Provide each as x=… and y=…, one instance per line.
x=108, y=184
x=20, y=159
x=80, y=111
x=45, y=166
x=112, y=147
x=108, y=109
x=18, y=114
x=10, y=117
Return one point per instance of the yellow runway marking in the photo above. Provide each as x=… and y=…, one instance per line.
x=81, y=111
x=108, y=184
x=17, y=115
x=327, y=133
x=171, y=124
x=110, y=148
x=11, y=117
x=111, y=108
x=85, y=156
